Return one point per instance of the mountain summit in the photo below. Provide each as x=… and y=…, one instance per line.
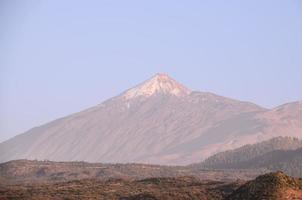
x=160, y=83
x=160, y=121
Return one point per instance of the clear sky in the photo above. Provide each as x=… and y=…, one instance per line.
x=59, y=57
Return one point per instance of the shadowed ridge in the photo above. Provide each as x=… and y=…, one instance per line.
x=240, y=157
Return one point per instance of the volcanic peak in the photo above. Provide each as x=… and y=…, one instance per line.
x=160, y=83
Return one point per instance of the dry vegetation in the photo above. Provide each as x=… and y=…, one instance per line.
x=272, y=186
x=153, y=188
x=45, y=180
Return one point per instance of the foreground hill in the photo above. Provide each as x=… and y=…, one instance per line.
x=282, y=153
x=273, y=186
x=160, y=122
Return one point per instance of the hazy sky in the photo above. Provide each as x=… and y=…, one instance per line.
x=59, y=57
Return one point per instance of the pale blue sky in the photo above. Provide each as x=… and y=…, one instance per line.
x=59, y=57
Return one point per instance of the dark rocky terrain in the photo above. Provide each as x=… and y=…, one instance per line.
x=25, y=171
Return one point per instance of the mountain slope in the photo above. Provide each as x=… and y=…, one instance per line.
x=159, y=121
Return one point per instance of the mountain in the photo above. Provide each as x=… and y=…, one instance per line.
x=281, y=153
x=272, y=186
x=159, y=121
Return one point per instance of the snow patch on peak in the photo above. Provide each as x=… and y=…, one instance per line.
x=160, y=83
